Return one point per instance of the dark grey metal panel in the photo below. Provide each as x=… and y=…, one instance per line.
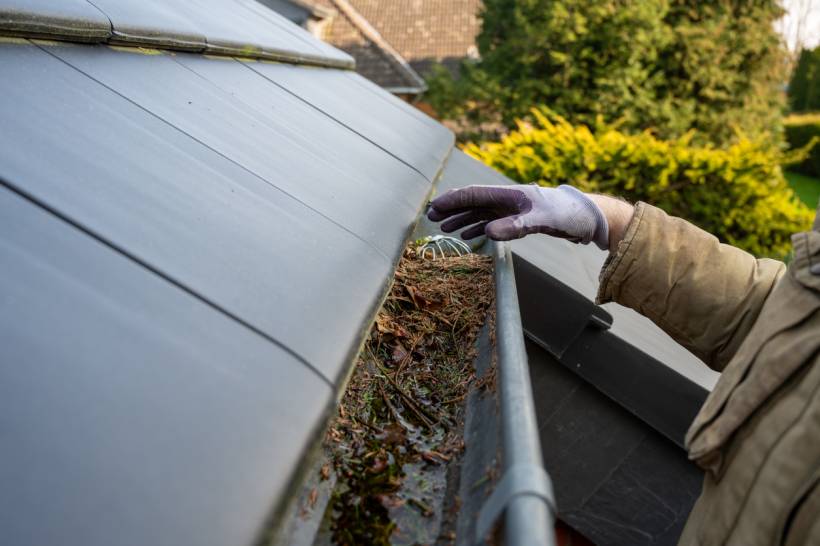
x=382, y=118
x=76, y=19
x=190, y=213
x=616, y=480
x=577, y=267
x=132, y=413
x=280, y=140
x=157, y=22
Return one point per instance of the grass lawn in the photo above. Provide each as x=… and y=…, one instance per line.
x=806, y=187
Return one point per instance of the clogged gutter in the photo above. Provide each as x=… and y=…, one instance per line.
x=399, y=426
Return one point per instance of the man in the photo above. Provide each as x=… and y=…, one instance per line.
x=758, y=434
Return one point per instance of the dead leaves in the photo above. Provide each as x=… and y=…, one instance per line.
x=422, y=302
x=385, y=324
x=403, y=402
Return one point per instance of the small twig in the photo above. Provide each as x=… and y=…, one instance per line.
x=427, y=420
x=423, y=506
x=456, y=399
x=407, y=358
x=393, y=410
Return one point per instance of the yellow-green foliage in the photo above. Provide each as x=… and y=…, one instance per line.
x=737, y=193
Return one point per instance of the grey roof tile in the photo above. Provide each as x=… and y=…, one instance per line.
x=196, y=213
x=133, y=413
x=359, y=104
x=77, y=19
x=227, y=27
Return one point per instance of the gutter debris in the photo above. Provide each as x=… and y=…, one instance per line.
x=395, y=445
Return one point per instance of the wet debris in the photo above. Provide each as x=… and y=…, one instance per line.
x=400, y=420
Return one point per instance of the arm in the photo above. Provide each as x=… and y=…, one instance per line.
x=704, y=294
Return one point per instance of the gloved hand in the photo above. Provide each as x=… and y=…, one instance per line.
x=511, y=212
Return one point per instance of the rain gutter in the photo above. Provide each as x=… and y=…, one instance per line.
x=524, y=494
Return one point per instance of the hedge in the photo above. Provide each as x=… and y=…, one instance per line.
x=738, y=193
x=800, y=131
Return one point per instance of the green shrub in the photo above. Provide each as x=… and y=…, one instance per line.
x=738, y=193
x=801, y=130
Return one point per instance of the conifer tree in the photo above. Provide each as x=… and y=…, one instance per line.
x=671, y=66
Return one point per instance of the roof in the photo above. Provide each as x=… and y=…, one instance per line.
x=190, y=272
x=425, y=32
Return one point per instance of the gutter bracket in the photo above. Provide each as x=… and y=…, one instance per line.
x=518, y=480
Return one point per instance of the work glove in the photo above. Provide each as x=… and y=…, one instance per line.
x=511, y=212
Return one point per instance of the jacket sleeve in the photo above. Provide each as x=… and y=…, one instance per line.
x=704, y=294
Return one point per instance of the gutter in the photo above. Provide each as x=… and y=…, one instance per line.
x=524, y=494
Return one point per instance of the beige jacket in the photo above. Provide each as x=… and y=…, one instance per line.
x=758, y=434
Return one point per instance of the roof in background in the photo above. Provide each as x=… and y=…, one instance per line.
x=345, y=28
x=426, y=31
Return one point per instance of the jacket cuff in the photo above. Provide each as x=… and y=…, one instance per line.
x=617, y=263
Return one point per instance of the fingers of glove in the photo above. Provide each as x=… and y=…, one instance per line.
x=466, y=218
x=507, y=228
x=438, y=215
x=477, y=196
x=474, y=231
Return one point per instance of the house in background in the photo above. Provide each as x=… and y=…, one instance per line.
x=395, y=42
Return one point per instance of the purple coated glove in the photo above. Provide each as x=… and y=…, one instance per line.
x=511, y=212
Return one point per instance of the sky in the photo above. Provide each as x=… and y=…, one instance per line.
x=806, y=12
